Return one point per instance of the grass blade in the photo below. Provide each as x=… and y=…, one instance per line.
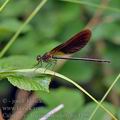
x=4, y=4
x=95, y=110
x=12, y=40
x=93, y=5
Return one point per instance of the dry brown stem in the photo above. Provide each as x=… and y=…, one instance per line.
x=24, y=108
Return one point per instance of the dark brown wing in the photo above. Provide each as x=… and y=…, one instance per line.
x=74, y=44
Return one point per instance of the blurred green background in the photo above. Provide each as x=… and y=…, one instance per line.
x=55, y=23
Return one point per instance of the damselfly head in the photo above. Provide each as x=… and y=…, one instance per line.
x=38, y=58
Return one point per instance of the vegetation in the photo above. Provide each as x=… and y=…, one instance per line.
x=29, y=28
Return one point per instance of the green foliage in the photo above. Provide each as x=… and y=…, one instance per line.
x=62, y=96
x=118, y=113
x=26, y=81
x=81, y=113
x=36, y=113
x=72, y=100
x=100, y=114
x=8, y=27
x=55, y=23
x=76, y=70
x=16, y=62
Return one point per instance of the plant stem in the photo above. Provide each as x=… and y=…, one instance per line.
x=93, y=5
x=53, y=111
x=44, y=71
x=12, y=40
x=4, y=4
x=95, y=110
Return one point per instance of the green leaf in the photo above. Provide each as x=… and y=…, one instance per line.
x=59, y=14
x=27, y=80
x=18, y=8
x=108, y=31
x=40, y=72
x=110, y=79
x=34, y=44
x=5, y=87
x=100, y=114
x=118, y=113
x=78, y=70
x=112, y=53
x=61, y=96
x=72, y=100
x=36, y=113
x=30, y=83
x=9, y=26
x=92, y=4
x=16, y=62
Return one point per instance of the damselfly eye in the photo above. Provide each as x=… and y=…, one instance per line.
x=38, y=58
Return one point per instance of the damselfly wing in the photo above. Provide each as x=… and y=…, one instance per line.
x=73, y=45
